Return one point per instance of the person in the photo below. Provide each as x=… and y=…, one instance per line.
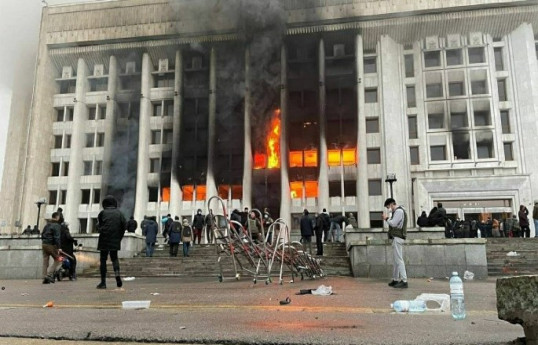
x=67, y=241
x=524, y=221
x=397, y=232
x=489, y=227
x=474, y=228
x=254, y=226
x=236, y=218
x=209, y=226
x=319, y=234
x=132, y=224
x=61, y=213
x=50, y=245
x=307, y=230
x=337, y=223
x=495, y=228
x=516, y=228
x=111, y=226
x=27, y=231
x=440, y=215
x=351, y=220
x=535, y=217
x=150, y=231
x=35, y=230
x=431, y=216
x=267, y=222
x=244, y=217
x=326, y=220
x=167, y=224
x=174, y=236
x=186, y=237
x=198, y=224
x=422, y=221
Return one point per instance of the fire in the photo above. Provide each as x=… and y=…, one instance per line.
x=270, y=159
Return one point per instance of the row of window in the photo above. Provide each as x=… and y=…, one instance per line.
x=91, y=140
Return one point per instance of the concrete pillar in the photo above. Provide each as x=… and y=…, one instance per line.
x=285, y=198
x=393, y=110
x=210, y=181
x=525, y=75
x=144, y=133
x=363, y=217
x=247, y=159
x=323, y=180
x=176, y=195
x=80, y=116
x=110, y=123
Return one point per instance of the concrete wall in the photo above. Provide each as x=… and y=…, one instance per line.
x=353, y=235
x=21, y=256
x=435, y=258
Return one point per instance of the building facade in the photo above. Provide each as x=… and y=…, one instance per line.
x=283, y=104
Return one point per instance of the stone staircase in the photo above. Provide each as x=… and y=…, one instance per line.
x=202, y=262
x=501, y=265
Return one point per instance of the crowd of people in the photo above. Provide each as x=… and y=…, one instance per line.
x=514, y=226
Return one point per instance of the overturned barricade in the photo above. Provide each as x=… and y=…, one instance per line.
x=260, y=256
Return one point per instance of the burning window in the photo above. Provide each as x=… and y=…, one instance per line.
x=310, y=189
x=270, y=159
x=299, y=159
x=188, y=192
x=338, y=157
x=165, y=194
x=296, y=190
x=296, y=159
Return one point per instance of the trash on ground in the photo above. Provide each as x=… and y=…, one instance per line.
x=323, y=290
x=182, y=327
x=49, y=304
x=135, y=304
x=415, y=306
x=155, y=293
x=304, y=292
x=24, y=294
x=128, y=279
x=468, y=275
x=286, y=301
x=512, y=254
x=442, y=300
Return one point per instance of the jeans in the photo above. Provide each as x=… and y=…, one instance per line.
x=150, y=246
x=186, y=246
x=398, y=270
x=335, y=235
x=173, y=249
x=536, y=228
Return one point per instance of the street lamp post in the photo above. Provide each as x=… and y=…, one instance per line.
x=391, y=178
x=39, y=202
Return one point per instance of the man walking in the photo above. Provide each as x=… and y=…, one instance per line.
x=111, y=226
x=307, y=230
x=397, y=232
x=198, y=223
x=50, y=239
x=150, y=231
x=535, y=217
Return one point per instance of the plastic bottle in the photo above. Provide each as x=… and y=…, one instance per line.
x=457, y=305
x=414, y=306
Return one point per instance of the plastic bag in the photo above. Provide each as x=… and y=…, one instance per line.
x=443, y=300
x=467, y=275
x=512, y=254
x=323, y=290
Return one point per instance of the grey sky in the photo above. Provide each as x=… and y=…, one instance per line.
x=19, y=29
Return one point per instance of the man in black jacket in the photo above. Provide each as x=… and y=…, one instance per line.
x=67, y=241
x=111, y=226
x=307, y=230
x=132, y=224
x=198, y=223
x=50, y=239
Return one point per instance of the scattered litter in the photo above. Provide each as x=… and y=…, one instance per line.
x=3, y=287
x=155, y=293
x=467, y=275
x=442, y=300
x=119, y=289
x=24, y=294
x=182, y=327
x=49, y=304
x=512, y=254
x=304, y=292
x=323, y=290
x=286, y=301
x=128, y=279
x=135, y=304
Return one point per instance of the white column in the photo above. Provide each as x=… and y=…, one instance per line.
x=110, y=123
x=396, y=157
x=363, y=217
x=80, y=116
x=144, y=133
x=210, y=181
x=285, y=198
x=247, y=159
x=323, y=180
x=176, y=195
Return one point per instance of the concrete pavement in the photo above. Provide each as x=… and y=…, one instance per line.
x=202, y=310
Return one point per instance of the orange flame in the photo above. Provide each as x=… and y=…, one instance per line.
x=273, y=143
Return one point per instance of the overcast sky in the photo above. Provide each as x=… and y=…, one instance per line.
x=19, y=30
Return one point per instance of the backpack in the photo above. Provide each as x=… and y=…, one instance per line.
x=187, y=232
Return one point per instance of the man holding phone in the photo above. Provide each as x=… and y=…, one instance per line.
x=397, y=232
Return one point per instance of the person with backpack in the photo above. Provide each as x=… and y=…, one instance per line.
x=167, y=224
x=174, y=236
x=186, y=237
x=397, y=232
x=254, y=226
x=50, y=245
x=111, y=226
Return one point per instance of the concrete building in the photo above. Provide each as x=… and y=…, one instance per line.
x=281, y=104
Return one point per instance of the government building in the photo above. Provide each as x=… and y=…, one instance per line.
x=285, y=104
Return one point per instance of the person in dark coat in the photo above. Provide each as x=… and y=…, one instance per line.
x=319, y=234
x=66, y=244
x=111, y=226
x=50, y=238
x=198, y=223
x=174, y=236
x=431, y=217
x=236, y=217
x=524, y=221
x=307, y=231
x=132, y=224
x=337, y=223
x=254, y=227
x=209, y=226
x=35, y=230
x=422, y=221
x=326, y=220
x=150, y=231
x=27, y=231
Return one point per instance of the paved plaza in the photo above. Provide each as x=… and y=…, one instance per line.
x=202, y=310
